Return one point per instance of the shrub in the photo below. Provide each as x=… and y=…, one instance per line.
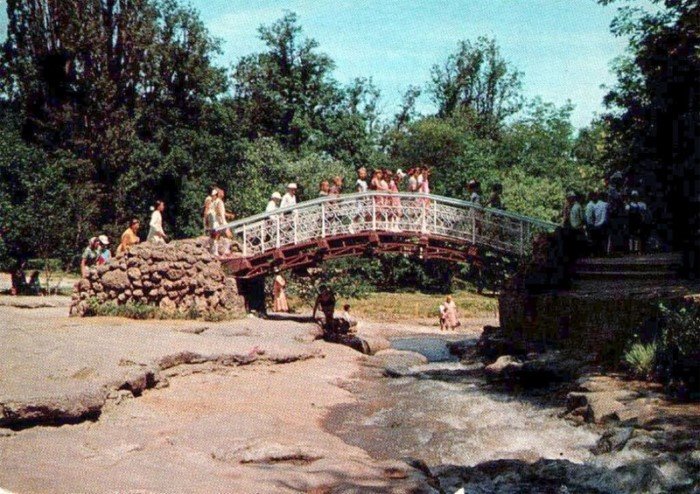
x=641, y=359
x=679, y=347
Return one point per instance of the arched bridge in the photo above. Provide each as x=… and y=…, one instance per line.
x=422, y=225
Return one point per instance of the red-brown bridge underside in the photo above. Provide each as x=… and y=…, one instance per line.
x=366, y=243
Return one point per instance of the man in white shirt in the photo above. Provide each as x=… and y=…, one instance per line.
x=588, y=213
x=290, y=198
x=600, y=225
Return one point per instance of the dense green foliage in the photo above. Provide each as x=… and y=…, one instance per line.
x=119, y=104
x=654, y=119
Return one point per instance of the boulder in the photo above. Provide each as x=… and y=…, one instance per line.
x=115, y=280
x=504, y=366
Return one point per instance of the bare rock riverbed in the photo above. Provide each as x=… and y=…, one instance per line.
x=102, y=405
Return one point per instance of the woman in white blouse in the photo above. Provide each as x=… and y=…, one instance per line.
x=156, y=234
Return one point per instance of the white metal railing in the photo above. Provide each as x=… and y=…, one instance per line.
x=413, y=213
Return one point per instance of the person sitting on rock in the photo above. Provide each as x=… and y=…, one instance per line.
x=129, y=237
x=326, y=301
x=19, y=279
x=90, y=256
x=105, y=255
x=34, y=286
x=346, y=317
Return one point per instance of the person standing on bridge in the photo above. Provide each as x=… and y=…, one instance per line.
x=156, y=234
x=324, y=189
x=495, y=200
x=274, y=202
x=337, y=187
x=290, y=197
x=412, y=180
x=474, y=189
x=361, y=182
x=279, y=296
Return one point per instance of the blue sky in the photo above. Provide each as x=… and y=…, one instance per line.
x=564, y=47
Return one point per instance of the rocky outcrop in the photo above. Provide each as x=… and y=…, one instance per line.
x=178, y=277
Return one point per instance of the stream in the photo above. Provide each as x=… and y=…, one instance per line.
x=441, y=414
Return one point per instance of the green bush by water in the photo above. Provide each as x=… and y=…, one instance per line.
x=641, y=359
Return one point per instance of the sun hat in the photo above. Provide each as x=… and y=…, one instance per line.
x=292, y=186
x=276, y=195
x=103, y=239
x=634, y=193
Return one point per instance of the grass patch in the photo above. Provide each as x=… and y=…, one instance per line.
x=387, y=306
x=144, y=311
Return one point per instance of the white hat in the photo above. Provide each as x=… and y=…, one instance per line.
x=276, y=195
x=103, y=239
x=292, y=186
x=400, y=173
x=634, y=193
x=214, y=192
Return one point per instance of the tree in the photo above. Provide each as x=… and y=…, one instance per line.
x=477, y=80
x=655, y=114
x=288, y=92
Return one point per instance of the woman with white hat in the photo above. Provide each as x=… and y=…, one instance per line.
x=274, y=202
x=290, y=197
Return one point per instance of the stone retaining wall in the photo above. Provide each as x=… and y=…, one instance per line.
x=180, y=276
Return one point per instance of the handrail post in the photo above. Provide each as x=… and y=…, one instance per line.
x=522, y=238
x=434, y=216
x=422, y=219
x=323, y=220
x=277, y=234
x=262, y=236
x=473, y=225
x=374, y=213
x=294, y=219
x=245, y=241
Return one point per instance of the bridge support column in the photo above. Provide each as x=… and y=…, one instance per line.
x=253, y=292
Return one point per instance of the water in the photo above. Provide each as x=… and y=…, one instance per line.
x=444, y=414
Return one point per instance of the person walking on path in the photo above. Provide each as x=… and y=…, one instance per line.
x=207, y=218
x=90, y=256
x=290, y=197
x=638, y=215
x=451, y=318
x=278, y=294
x=221, y=218
x=156, y=234
x=129, y=237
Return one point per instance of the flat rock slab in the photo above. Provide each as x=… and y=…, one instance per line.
x=54, y=369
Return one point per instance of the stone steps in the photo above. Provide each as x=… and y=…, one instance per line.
x=636, y=269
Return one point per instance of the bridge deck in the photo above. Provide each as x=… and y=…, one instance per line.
x=426, y=226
